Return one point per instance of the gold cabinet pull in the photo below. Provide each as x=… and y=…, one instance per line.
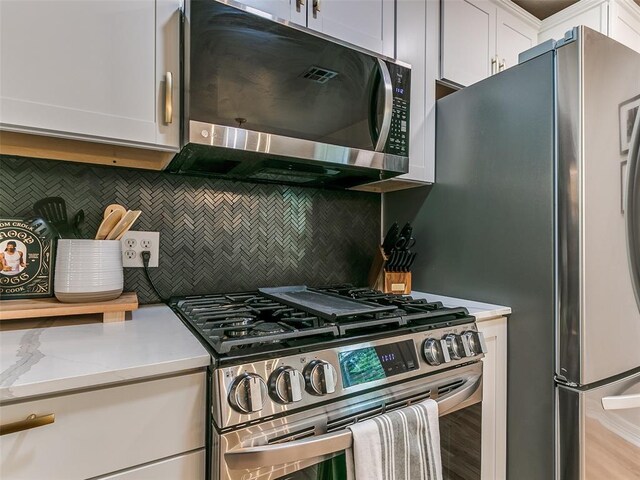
x=502, y=64
x=32, y=421
x=316, y=8
x=494, y=61
x=299, y=5
x=168, y=98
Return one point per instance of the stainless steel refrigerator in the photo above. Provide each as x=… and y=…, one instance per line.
x=536, y=205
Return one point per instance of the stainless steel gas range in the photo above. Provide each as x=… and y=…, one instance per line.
x=293, y=367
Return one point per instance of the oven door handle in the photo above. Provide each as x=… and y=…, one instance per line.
x=329, y=443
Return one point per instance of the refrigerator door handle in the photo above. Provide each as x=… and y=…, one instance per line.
x=620, y=402
x=633, y=204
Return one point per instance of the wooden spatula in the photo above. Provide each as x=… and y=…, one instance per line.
x=108, y=224
x=115, y=207
x=124, y=225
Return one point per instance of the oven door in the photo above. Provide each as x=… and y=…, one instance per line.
x=311, y=445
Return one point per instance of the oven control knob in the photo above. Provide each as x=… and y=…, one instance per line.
x=286, y=385
x=248, y=392
x=473, y=343
x=454, y=345
x=321, y=377
x=432, y=350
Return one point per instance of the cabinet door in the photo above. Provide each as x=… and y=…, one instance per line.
x=368, y=24
x=624, y=21
x=494, y=399
x=468, y=40
x=168, y=72
x=411, y=46
x=277, y=8
x=595, y=16
x=190, y=466
x=513, y=36
x=100, y=431
x=82, y=70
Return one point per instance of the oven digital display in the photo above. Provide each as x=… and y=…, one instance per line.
x=375, y=363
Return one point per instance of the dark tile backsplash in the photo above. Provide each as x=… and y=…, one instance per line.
x=215, y=235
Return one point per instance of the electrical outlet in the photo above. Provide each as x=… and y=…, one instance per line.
x=134, y=243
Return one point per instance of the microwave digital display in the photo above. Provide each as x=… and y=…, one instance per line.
x=375, y=363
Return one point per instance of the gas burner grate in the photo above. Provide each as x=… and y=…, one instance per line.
x=240, y=324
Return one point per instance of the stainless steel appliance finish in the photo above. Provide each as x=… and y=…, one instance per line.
x=287, y=445
x=594, y=254
x=225, y=379
x=542, y=178
x=270, y=101
x=286, y=383
x=599, y=430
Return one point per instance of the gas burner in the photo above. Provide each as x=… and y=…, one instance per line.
x=263, y=329
x=238, y=326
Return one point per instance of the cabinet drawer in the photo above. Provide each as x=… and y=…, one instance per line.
x=105, y=430
x=184, y=467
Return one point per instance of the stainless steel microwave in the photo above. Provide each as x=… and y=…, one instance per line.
x=266, y=100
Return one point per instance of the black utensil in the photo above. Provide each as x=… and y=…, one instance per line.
x=78, y=220
x=388, y=266
x=411, y=260
x=43, y=228
x=405, y=241
x=390, y=238
x=54, y=211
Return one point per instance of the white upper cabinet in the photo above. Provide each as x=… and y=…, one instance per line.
x=483, y=37
x=366, y=23
x=277, y=8
x=92, y=70
x=468, y=40
x=619, y=19
x=513, y=36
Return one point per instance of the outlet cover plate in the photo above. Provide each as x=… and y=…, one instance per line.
x=132, y=248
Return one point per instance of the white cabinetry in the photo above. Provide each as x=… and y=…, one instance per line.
x=494, y=399
x=619, y=19
x=368, y=24
x=91, y=70
x=483, y=37
x=111, y=429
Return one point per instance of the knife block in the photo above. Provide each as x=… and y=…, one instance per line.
x=388, y=282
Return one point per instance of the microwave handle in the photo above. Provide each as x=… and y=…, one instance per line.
x=329, y=443
x=388, y=106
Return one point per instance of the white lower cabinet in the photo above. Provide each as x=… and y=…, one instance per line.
x=107, y=430
x=189, y=466
x=494, y=400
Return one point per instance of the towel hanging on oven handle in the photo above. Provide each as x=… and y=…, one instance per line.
x=294, y=451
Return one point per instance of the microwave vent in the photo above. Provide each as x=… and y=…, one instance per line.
x=319, y=74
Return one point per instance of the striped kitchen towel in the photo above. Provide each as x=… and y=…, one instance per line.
x=399, y=445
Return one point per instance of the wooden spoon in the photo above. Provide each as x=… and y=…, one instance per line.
x=113, y=208
x=124, y=225
x=108, y=223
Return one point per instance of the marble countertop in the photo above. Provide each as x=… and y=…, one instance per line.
x=482, y=311
x=51, y=359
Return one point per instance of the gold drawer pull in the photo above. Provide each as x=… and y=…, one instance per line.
x=32, y=421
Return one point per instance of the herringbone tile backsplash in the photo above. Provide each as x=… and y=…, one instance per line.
x=215, y=235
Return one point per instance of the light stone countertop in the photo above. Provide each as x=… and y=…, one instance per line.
x=482, y=311
x=51, y=359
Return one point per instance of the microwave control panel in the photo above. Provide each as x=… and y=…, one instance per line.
x=398, y=142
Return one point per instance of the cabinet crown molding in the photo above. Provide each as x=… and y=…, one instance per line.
x=520, y=12
x=572, y=11
x=631, y=7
